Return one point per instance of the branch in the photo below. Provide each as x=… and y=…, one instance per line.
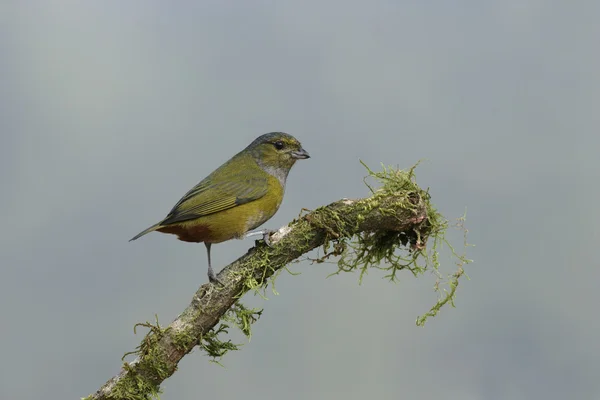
x=398, y=214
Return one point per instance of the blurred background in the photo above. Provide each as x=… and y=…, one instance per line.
x=110, y=111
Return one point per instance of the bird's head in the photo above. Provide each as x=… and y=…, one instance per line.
x=277, y=151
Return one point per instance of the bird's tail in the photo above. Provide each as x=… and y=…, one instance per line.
x=142, y=233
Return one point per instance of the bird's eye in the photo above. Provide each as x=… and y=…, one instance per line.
x=278, y=145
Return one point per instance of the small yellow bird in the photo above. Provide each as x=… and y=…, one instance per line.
x=240, y=195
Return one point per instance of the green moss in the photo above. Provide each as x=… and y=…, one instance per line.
x=183, y=340
x=134, y=386
x=242, y=318
x=452, y=280
x=148, y=370
x=393, y=251
x=214, y=346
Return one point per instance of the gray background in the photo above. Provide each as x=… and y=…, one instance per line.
x=110, y=111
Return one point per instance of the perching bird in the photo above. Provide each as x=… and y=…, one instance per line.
x=237, y=197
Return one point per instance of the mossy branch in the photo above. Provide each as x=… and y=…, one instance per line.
x=388, y=230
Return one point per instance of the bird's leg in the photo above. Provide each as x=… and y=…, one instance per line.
x=266, y=235
x=211, y=274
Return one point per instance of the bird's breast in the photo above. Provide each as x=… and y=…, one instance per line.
x=265, y=207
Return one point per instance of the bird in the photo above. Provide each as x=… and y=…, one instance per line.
x=239, y=196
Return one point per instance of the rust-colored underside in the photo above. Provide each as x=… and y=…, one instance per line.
x=189, y=233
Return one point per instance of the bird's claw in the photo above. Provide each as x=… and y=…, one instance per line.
x=265, y=233
x=267, y=237
x=212, y=277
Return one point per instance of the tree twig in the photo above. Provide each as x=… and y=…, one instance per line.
x=400, y=211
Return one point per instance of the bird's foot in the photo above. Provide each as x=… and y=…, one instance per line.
x=212, y=277
x=266, y=235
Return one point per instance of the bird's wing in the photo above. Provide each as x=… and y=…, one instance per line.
x=208, y=197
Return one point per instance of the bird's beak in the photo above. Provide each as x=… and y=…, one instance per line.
x=300, y=154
